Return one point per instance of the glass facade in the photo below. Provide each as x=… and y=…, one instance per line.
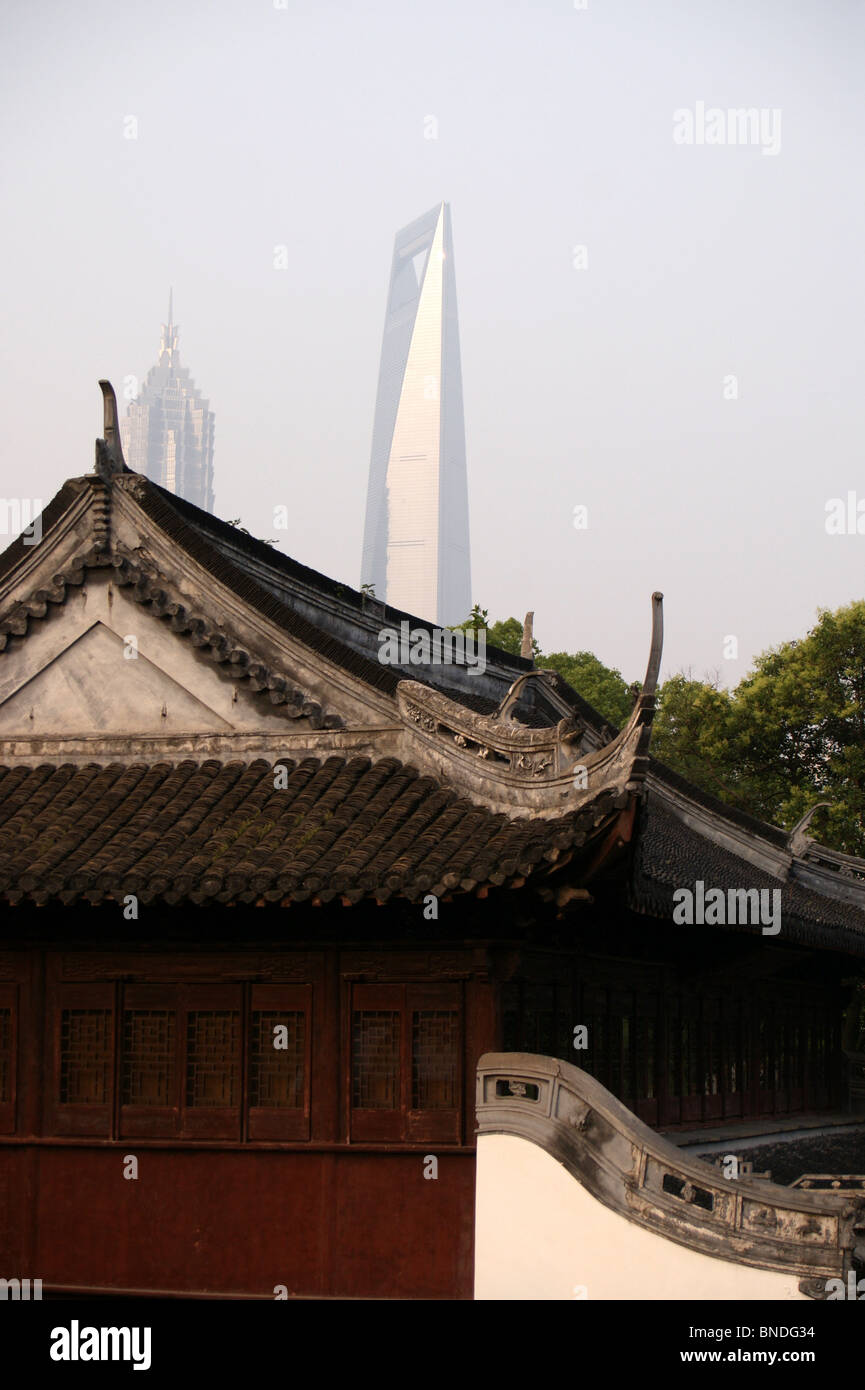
x=416, y=539
x=167, y=432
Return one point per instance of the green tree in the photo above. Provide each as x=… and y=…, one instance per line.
x=691, y=731
x=797, y=731
x=602, y=686
x=477, y=621
x=507, y=635
x=791, y=734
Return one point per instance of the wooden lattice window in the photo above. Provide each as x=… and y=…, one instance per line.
x=646, y=1057
x=511, y=1037
x=151, y=1061
x=540, y=1018
x=594, y=1014
x=82, y=1091
x=212, y=1070
x=689, y=1031
x=276, y=1083
x=180, y=1064
x=85, y=1056
x=405, y=1066
x=731, y=1069
x=149, y=1057
x=280, y=1035
x=710, y=1051
x=434, y=1059
x=623, y=1027
x=212, y=1058
x=766, y=1051
x=375, y=1059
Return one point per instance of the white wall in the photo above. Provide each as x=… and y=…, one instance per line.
x=539, y=1234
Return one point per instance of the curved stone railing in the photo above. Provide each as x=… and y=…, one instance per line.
x=635, y=1172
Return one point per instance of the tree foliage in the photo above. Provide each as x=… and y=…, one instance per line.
x=603, y=686
x=791, y=734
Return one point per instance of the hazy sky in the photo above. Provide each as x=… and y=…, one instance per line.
x=307, y=126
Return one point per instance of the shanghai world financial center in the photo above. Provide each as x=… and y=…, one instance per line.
x=416, y=538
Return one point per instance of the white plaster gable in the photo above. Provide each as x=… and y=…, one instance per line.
x=90, y=687
x=70, y=675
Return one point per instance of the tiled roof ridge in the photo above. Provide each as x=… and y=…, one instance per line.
x=152, y=501
x=286, y=565
x=103, y=551
x=773, y=834
x=70, y=492
x=161, y=507
x=672, y=854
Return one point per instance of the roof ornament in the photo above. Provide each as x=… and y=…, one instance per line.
x=109, y=450
x=526, y=651
x=798, y=840
x=653, y=669
x=504, y=713
x=555, y=767
x=645, y=702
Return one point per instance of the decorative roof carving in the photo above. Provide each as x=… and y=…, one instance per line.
x=500, y=762
x=797, y=841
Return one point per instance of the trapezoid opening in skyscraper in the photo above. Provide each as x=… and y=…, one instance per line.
x=416, y=538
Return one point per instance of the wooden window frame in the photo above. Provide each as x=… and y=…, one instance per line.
x=402, y=1123
x=151, y=1121
x=281, y=1122
x=206, y=1121
x=77, y=1119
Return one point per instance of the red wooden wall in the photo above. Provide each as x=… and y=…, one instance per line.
x=322, y=1190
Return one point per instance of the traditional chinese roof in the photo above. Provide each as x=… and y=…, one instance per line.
x=818, y=906
x=157, y=666
x=212, y=832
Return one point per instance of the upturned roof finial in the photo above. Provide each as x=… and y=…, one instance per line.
x=109, y=450
x=526, y=651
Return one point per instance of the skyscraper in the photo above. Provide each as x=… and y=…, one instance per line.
x=416, y=538
x=168, y=430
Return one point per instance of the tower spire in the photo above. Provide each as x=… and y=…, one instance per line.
x=168, y=345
